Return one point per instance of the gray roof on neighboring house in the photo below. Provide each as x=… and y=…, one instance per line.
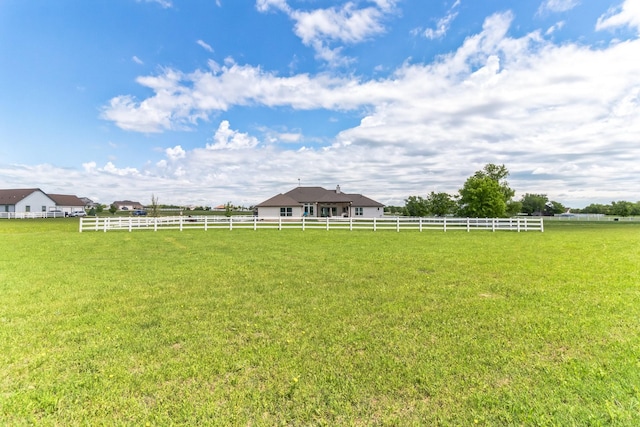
x=300, y=195
x=66, y=200
x=13, y=196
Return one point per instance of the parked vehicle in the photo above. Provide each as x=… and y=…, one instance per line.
x=56, y=214
x=139, y=212
x=78, y=213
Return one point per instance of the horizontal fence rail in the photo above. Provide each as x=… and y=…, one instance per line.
x=31, y=215
x=208, y=222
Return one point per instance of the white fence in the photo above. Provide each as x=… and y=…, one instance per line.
x=30, y=215
x=252, y=222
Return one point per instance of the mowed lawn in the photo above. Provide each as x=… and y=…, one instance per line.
x=267, y=327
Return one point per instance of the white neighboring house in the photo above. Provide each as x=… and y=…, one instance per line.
x=318, y=202
x=27, y=200
x=33, y=202
x=127, y=205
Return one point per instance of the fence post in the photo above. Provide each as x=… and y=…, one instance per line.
x=444, y=224
x=302, y=223
x=493, y=225
x=279, y=223
x=230, y=223
x=105, y=224
x=350, y=223
x=130, y=224
x=398, y=224
x=327, y=223
x=518, y=224
x=155, y=223
x=420, y=224
x=468, y=225
x=255, y=223
x=541, y=225
x=205, y=222
x=374, y=223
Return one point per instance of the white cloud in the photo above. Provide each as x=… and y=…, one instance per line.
x=163, y=3
x=627, y=14
x=226, y=138
x=322, y=28
x=204, y=45
x=558, y=5
x=176, y=153
x=288, y=137
x=443, y=25
x=552, y=29
x=112, y=169
x=137, y=60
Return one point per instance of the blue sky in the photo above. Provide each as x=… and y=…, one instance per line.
x=204, y=102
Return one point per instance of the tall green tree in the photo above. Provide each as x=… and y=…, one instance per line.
x=534, y=203
x=487, y=194
x=440, y=204
x=480, y=197
x=415, y=206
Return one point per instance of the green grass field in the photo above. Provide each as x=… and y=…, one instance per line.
x=267, y=327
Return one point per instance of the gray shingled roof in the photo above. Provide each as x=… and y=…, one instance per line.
x=11, y=197
x=279, y=200
x=66, y=200
x=300, y=195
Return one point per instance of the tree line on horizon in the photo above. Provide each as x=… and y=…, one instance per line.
x=486, y=194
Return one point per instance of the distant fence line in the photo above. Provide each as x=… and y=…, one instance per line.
x=31, y=215
x=207, y=222
x=592, y=217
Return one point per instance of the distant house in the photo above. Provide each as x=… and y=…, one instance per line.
x=34, y=200
x=88, y=203
x=319, y=202
x=67, y=203
x=127, y=205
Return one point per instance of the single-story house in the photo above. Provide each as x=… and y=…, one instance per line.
x=67, y=203
x=25, y=200
x=34, y=200
x=319, y=202
x=128, y=205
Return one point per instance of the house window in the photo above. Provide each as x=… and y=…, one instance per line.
x=359, y=211
x=27, y=208
x=44, y=209
x=286, y=211
x=308, y=209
